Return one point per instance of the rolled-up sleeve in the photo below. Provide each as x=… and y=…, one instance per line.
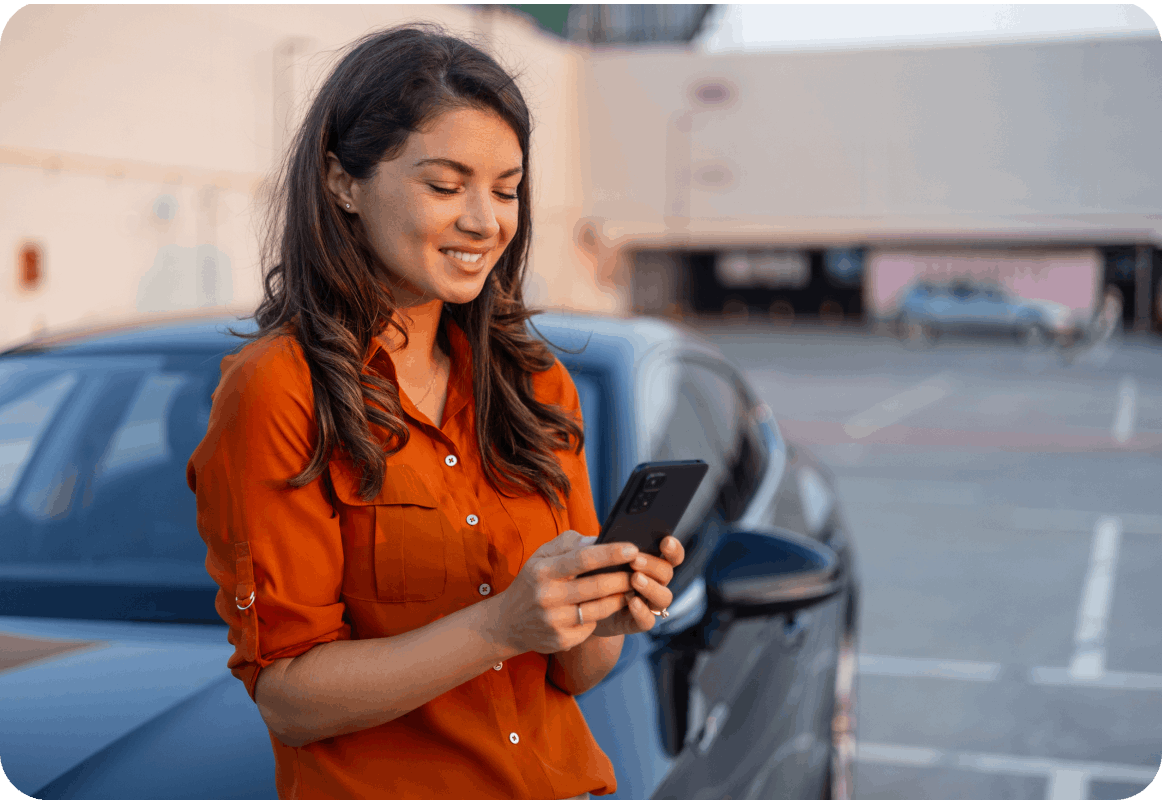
x=275, y=552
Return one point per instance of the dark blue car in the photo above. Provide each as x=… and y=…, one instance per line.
x=112, y=659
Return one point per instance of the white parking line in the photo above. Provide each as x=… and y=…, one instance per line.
x=897, y=667
x=895, y=408
x=1063, y=676
x=1122, y=429
x=1089, y=653
x=1068, y=784
x=1066, y=520
x=1068, y=780
x=988, y=671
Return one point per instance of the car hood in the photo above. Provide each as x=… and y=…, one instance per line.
x=105, y=680
x=1057, y=312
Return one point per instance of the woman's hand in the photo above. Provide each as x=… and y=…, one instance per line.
x=539, y=610
x=650, y=582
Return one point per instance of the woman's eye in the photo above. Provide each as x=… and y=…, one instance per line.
x=506, y=196
x=442, y=189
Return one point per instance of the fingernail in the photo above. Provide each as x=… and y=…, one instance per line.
x=628, y=550
x=640, y=561
x=640, y=580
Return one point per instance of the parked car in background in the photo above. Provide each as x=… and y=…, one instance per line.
x=113, y=680
x=931, y=308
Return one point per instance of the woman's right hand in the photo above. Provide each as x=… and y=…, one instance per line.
x=538, y=612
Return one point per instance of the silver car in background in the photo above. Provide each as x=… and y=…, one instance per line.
x=930, y=309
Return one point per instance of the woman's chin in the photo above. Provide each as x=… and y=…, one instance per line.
x=465, y=290
x=461, y=298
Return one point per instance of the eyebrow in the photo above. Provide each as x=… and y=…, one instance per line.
x=464, y=169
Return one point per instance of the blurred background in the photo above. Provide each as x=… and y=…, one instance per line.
x=775, y=161
x=835, y=195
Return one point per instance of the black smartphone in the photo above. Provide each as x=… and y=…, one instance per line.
x=650, y=506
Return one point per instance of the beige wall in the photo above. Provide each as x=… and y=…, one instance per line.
x=1050, y=140
x=109, y=109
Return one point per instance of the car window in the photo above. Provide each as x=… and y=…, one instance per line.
x=589, y=392
x=92, y=466
x=24, y=418
x=710, y=418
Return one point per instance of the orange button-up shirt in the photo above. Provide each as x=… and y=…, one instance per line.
x=436, y=539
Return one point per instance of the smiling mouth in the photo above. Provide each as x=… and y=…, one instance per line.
x=461, y=256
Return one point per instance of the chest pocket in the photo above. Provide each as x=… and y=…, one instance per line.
x=409, y=534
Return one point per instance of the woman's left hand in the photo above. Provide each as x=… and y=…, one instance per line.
x=651, y=577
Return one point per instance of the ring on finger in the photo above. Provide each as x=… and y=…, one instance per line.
x=580, y=616
x=665, y=612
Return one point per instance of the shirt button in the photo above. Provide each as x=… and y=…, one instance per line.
x=485, y=589
x=512, y=737
x=473, y=519
x=450, y=461
x=497, y=667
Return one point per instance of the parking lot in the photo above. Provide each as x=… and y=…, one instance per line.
x=1007, y=507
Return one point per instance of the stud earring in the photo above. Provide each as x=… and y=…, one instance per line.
x=348, y=205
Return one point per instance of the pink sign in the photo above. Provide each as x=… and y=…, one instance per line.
x=1069, y=277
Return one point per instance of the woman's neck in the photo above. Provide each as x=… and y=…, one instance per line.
x=422, y=323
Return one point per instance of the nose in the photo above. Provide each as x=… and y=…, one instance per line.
x=479, y=217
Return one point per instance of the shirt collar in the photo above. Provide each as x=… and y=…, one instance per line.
x=460, y=391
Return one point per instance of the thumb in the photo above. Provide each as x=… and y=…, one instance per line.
x=558, y=546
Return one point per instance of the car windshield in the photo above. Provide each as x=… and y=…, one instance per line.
x=589, y=392
x=93, y=450
x=92, y=467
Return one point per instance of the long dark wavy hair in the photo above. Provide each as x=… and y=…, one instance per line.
x=319, y=268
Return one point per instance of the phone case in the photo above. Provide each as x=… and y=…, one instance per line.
x=651, y=505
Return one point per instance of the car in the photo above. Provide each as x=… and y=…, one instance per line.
x=114, y=684
x=930, y=308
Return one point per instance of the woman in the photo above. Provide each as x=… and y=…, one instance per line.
x=392, y=488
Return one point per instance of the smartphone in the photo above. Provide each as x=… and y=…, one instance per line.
x=650, y=506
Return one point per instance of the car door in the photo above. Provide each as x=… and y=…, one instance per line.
x=963, y=308
x=740, y=719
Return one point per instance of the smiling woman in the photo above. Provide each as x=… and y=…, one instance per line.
x=393, y=488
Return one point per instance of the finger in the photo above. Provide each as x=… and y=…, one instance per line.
x=655, y=594
x=642, y=616
x=559, y=545
x=654, y=567
x=596, y=610
x=582, y=590
x=585, y=559
x=673, y=551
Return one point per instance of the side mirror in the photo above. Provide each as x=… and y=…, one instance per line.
x=765, y=573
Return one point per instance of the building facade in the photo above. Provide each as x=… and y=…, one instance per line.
x=138, y=144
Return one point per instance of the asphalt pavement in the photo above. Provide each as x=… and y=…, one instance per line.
x=1007, y=508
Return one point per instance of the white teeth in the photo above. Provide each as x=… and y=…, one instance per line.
x=471, y=258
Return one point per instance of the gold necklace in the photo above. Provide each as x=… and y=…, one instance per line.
x=431, y=383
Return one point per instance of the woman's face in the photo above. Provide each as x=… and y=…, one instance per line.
x=441, y=213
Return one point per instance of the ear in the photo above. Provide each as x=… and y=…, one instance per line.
x=340, y=183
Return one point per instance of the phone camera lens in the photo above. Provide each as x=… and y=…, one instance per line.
x=641, y=502
x=654, y=481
